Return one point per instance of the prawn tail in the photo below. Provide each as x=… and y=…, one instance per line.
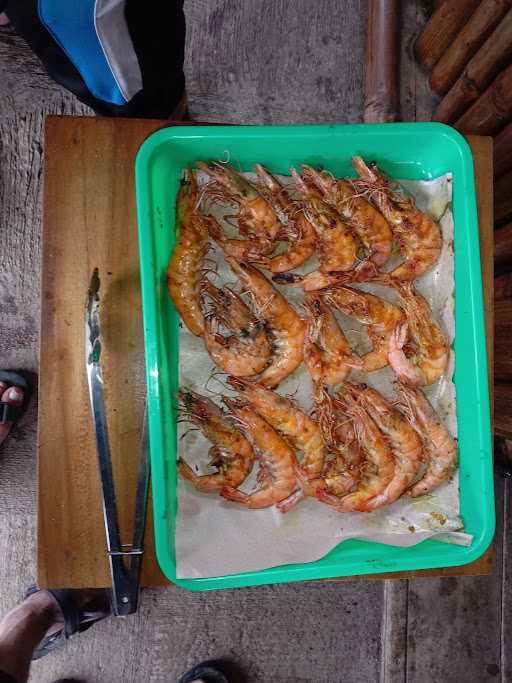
x=367, y=271
x=329, y=498
x=354, y=362
x=291, y=501
x=237, y=383
x=407, y=372
x=233, y=495
x=316, y=280
x=305, y=478
x=399, y=337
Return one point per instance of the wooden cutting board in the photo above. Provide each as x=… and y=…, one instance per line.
x=90, y=221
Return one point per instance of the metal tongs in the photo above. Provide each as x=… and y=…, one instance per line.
x=125, y=577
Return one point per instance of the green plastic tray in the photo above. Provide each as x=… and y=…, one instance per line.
x=405, y=150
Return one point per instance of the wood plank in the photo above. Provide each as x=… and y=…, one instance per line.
x=506, y=597
x=89, y=162
x=250, y=627
x=454, y=625
x=256, y=80
x=416, y=99
x=393, y=662
x=164, y=638
x=173, y=629
x=482, y=154
x=71, y=521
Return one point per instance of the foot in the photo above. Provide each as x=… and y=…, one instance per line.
x=204, y=673
x=22, y=629
x=38, y=625
x=76, y=611
x=13, y=396
x=39, y=607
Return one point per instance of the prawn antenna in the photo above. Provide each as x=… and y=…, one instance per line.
x=214, y=376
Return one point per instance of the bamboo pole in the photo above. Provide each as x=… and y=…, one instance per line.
x=493, y=56
x=381, y=80
x=503, y=198
x=503, y=151
x=503, y=246
x=502, y=336
x=473, y=34
x=492, y=110
x=503, y=287
x=441, y=29
x=503, y=371
x=503, y=409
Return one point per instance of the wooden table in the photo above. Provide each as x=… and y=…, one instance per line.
x=89, y=221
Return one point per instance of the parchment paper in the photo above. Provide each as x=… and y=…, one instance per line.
x=215, y=538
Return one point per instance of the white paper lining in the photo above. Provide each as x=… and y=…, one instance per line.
x=215, y=538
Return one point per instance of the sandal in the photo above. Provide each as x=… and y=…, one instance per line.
x=204, y=672
x=8, y=412
x=76, y=619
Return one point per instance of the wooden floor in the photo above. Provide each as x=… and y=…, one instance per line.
x=248, y=61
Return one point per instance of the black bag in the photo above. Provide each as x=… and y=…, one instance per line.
x=120, y=57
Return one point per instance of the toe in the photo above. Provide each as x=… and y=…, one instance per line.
x=13, y=396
